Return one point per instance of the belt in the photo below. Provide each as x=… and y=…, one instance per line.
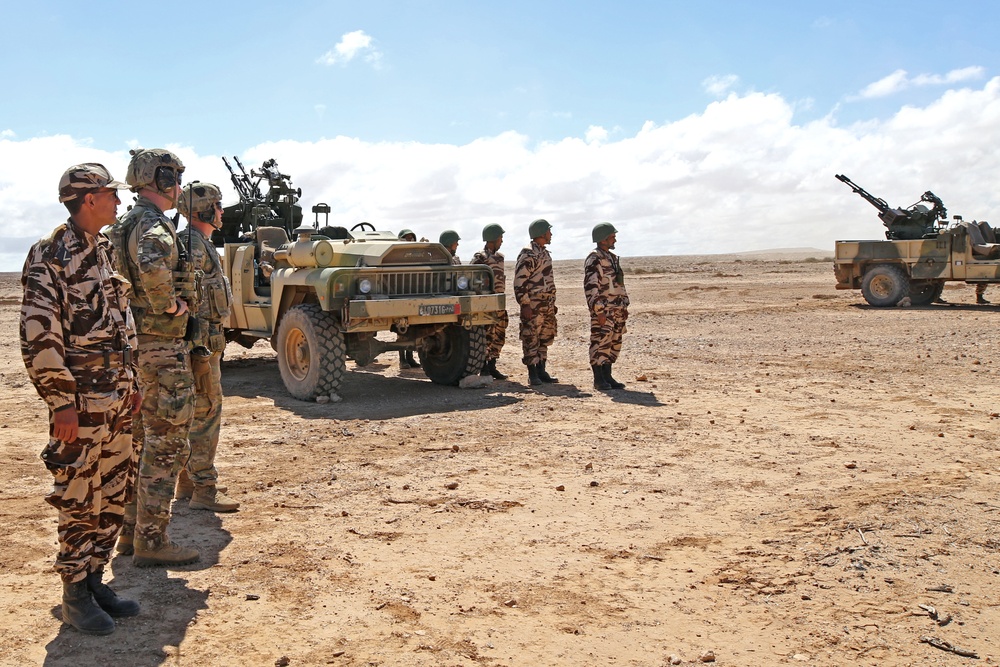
x=105, y=357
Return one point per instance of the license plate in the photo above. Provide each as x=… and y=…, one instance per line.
x=440, y=309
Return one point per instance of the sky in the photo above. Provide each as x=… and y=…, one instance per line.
x=694, y=127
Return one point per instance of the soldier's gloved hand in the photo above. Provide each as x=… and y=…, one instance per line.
x=526, y=312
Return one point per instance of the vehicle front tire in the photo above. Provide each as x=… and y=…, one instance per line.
x=454, y=353
x=885, y=285
x=311, y=352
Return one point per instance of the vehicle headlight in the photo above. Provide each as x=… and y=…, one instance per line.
x=462, y=282
x=364, y=286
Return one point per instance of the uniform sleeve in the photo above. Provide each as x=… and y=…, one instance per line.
x=594, y=285
x=156, y=265
x=42, y=344
x=522, y=273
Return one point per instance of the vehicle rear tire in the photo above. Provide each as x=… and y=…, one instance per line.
x=454, y=353
x=885, y=285
x=927, y=292
x=311, y=352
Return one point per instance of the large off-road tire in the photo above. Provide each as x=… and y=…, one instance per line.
x=926, y=292
x=455, y=353
x=311, y=352
x=885, y=285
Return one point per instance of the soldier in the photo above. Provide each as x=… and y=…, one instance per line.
x=491, y=257
x=164, y=289
x=407, y=235
x=77, y=337
x=449, y=239
x=535, y=291
x=201, y=205
x=406, y=358
x=981, y=294
x=607, y=300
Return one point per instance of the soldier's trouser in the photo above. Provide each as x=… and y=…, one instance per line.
x=90, y=478
x=606, y=339
x=207, y=421
x=537, y=334
x=167, y=410
x=130, y=492
x=498, y=335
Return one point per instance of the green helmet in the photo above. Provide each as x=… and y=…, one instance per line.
x=603, y=231
x=198, y=198
x=449, y=237
x=538, y=228
x=492, y=232
x=407, y=232
x=146, y=162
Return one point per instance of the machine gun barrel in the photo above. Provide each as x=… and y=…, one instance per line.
x=878, y=203
x=241, y=186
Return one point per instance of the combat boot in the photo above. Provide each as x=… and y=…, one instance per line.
x=185, y=487
x=981, y=300
x=80, y=610
x=599, y=382
x=164, y=553
x=491, y=369
x=213, y=499
x=125, y=538
x=533, y=379
x=107, y=599
x=615, y=384
x=543, y=375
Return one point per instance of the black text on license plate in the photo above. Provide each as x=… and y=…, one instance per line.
x=440, y=309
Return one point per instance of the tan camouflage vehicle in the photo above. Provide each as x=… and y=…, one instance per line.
x=321, y=295
x=920, y=254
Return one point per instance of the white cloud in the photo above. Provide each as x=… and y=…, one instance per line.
x=901, y=80
x=352, y=45
x=719, y=86
x=7, y=134
x=740, y=175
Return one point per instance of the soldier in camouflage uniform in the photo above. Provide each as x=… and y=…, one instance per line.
x=535, y=291
x=607, y=300
x=406, y=358
x=449, y=239
x=491, y=257
x=163, y=289
x=77, y=337
x=201, y=205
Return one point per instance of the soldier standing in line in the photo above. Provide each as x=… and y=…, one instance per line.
x=981, y=294
x=406, y=358
x=201, y=205
x=163, y=291
x=491, y=257
x=607, y=300
x=535, y=292
x=77, y=337
x=449, y=239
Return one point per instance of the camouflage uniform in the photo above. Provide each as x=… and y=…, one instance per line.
x=604, y=287
x=76, y=339
x=494, y=260
x=535, y=286
x=213, y=309
x=164, y=366
x=455, y=261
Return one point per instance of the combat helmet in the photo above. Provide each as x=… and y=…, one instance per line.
x=492, y=232
x=449, y=237
x=407, y=232
x=199, y=199
x=603, y=231
x=538, y=228
x=151, y=167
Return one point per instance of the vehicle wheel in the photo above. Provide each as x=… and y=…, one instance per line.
x=454, y=353
x=311, y=352
x=885, y=285
x=927, y=292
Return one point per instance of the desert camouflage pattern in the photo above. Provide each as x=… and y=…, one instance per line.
x=144, y=163
x=455, y=261
x=75, y=326
x=604, y=288
x=215, y=297
x=82, y=178
x=498, y=334
x=197, y=197
x=535, y=286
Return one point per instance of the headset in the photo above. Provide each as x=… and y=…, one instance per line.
x=166, y=178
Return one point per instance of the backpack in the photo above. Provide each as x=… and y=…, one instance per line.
x=124, y=236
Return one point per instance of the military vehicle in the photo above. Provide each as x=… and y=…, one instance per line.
x=322, y=295
x=920, y=254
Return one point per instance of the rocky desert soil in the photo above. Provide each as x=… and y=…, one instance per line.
x=791, y=478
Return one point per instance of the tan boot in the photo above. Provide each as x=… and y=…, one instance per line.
x=167, y=553
x=185, y=487
x=213, y=499
x=125, y=538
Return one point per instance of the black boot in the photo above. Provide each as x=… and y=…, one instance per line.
x=80, y=610
x=615, y=384
x=543, y=375
x=533, y=379
x=599, y=382
x=108, y=599
x=491, y=367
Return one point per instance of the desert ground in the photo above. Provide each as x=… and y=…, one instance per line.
x=790, y=478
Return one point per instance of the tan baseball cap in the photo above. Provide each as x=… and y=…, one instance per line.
x=80, y=178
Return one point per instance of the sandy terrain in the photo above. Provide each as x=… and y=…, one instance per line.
x=788, y=478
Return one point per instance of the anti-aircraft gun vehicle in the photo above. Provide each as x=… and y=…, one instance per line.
x=920, y=254
x=322, y=294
